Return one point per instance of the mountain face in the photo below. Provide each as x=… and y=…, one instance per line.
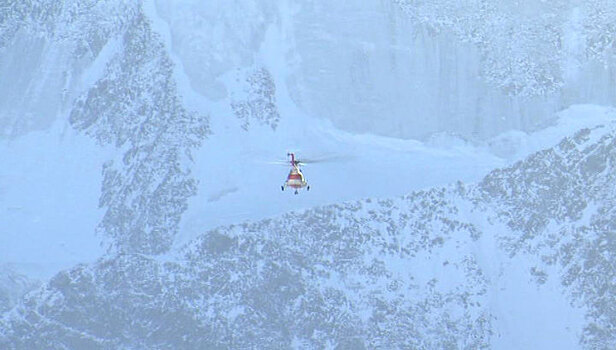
x=454, y=267
x=132, y=105
x=147, y=191
x=419, y=271
x=559, y=206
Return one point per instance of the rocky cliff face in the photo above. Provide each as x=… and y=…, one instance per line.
x=406, y=68
x=407, y=272
x=559, y=207
x=135, y=106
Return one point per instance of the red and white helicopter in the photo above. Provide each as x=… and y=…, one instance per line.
x=295, y=179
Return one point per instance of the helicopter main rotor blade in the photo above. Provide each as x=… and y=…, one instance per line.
x=325, y=159
x=279, y=162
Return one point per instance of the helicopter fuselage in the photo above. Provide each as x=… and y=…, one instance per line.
x=295, y=179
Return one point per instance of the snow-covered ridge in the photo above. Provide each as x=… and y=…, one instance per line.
x=135, y=107
x=446, y=267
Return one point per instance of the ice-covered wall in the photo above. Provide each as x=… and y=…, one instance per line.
x=402, y=68
x=215, y=37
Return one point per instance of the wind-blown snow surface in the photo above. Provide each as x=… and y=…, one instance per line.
x=49, y=188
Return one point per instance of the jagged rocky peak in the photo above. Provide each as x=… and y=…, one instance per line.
x=378, y=273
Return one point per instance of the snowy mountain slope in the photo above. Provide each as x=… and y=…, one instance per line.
x=127, y=84
x=446, y=267
x=49, y=173
x=49, y=188
x=559, y=206
x=531, y=48
x=318, y=282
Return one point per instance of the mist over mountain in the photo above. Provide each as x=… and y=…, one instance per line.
x=470, y=203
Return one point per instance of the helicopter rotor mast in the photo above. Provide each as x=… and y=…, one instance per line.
x=293, y=163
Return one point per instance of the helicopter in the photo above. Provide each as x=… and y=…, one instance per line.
x=295, y=179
